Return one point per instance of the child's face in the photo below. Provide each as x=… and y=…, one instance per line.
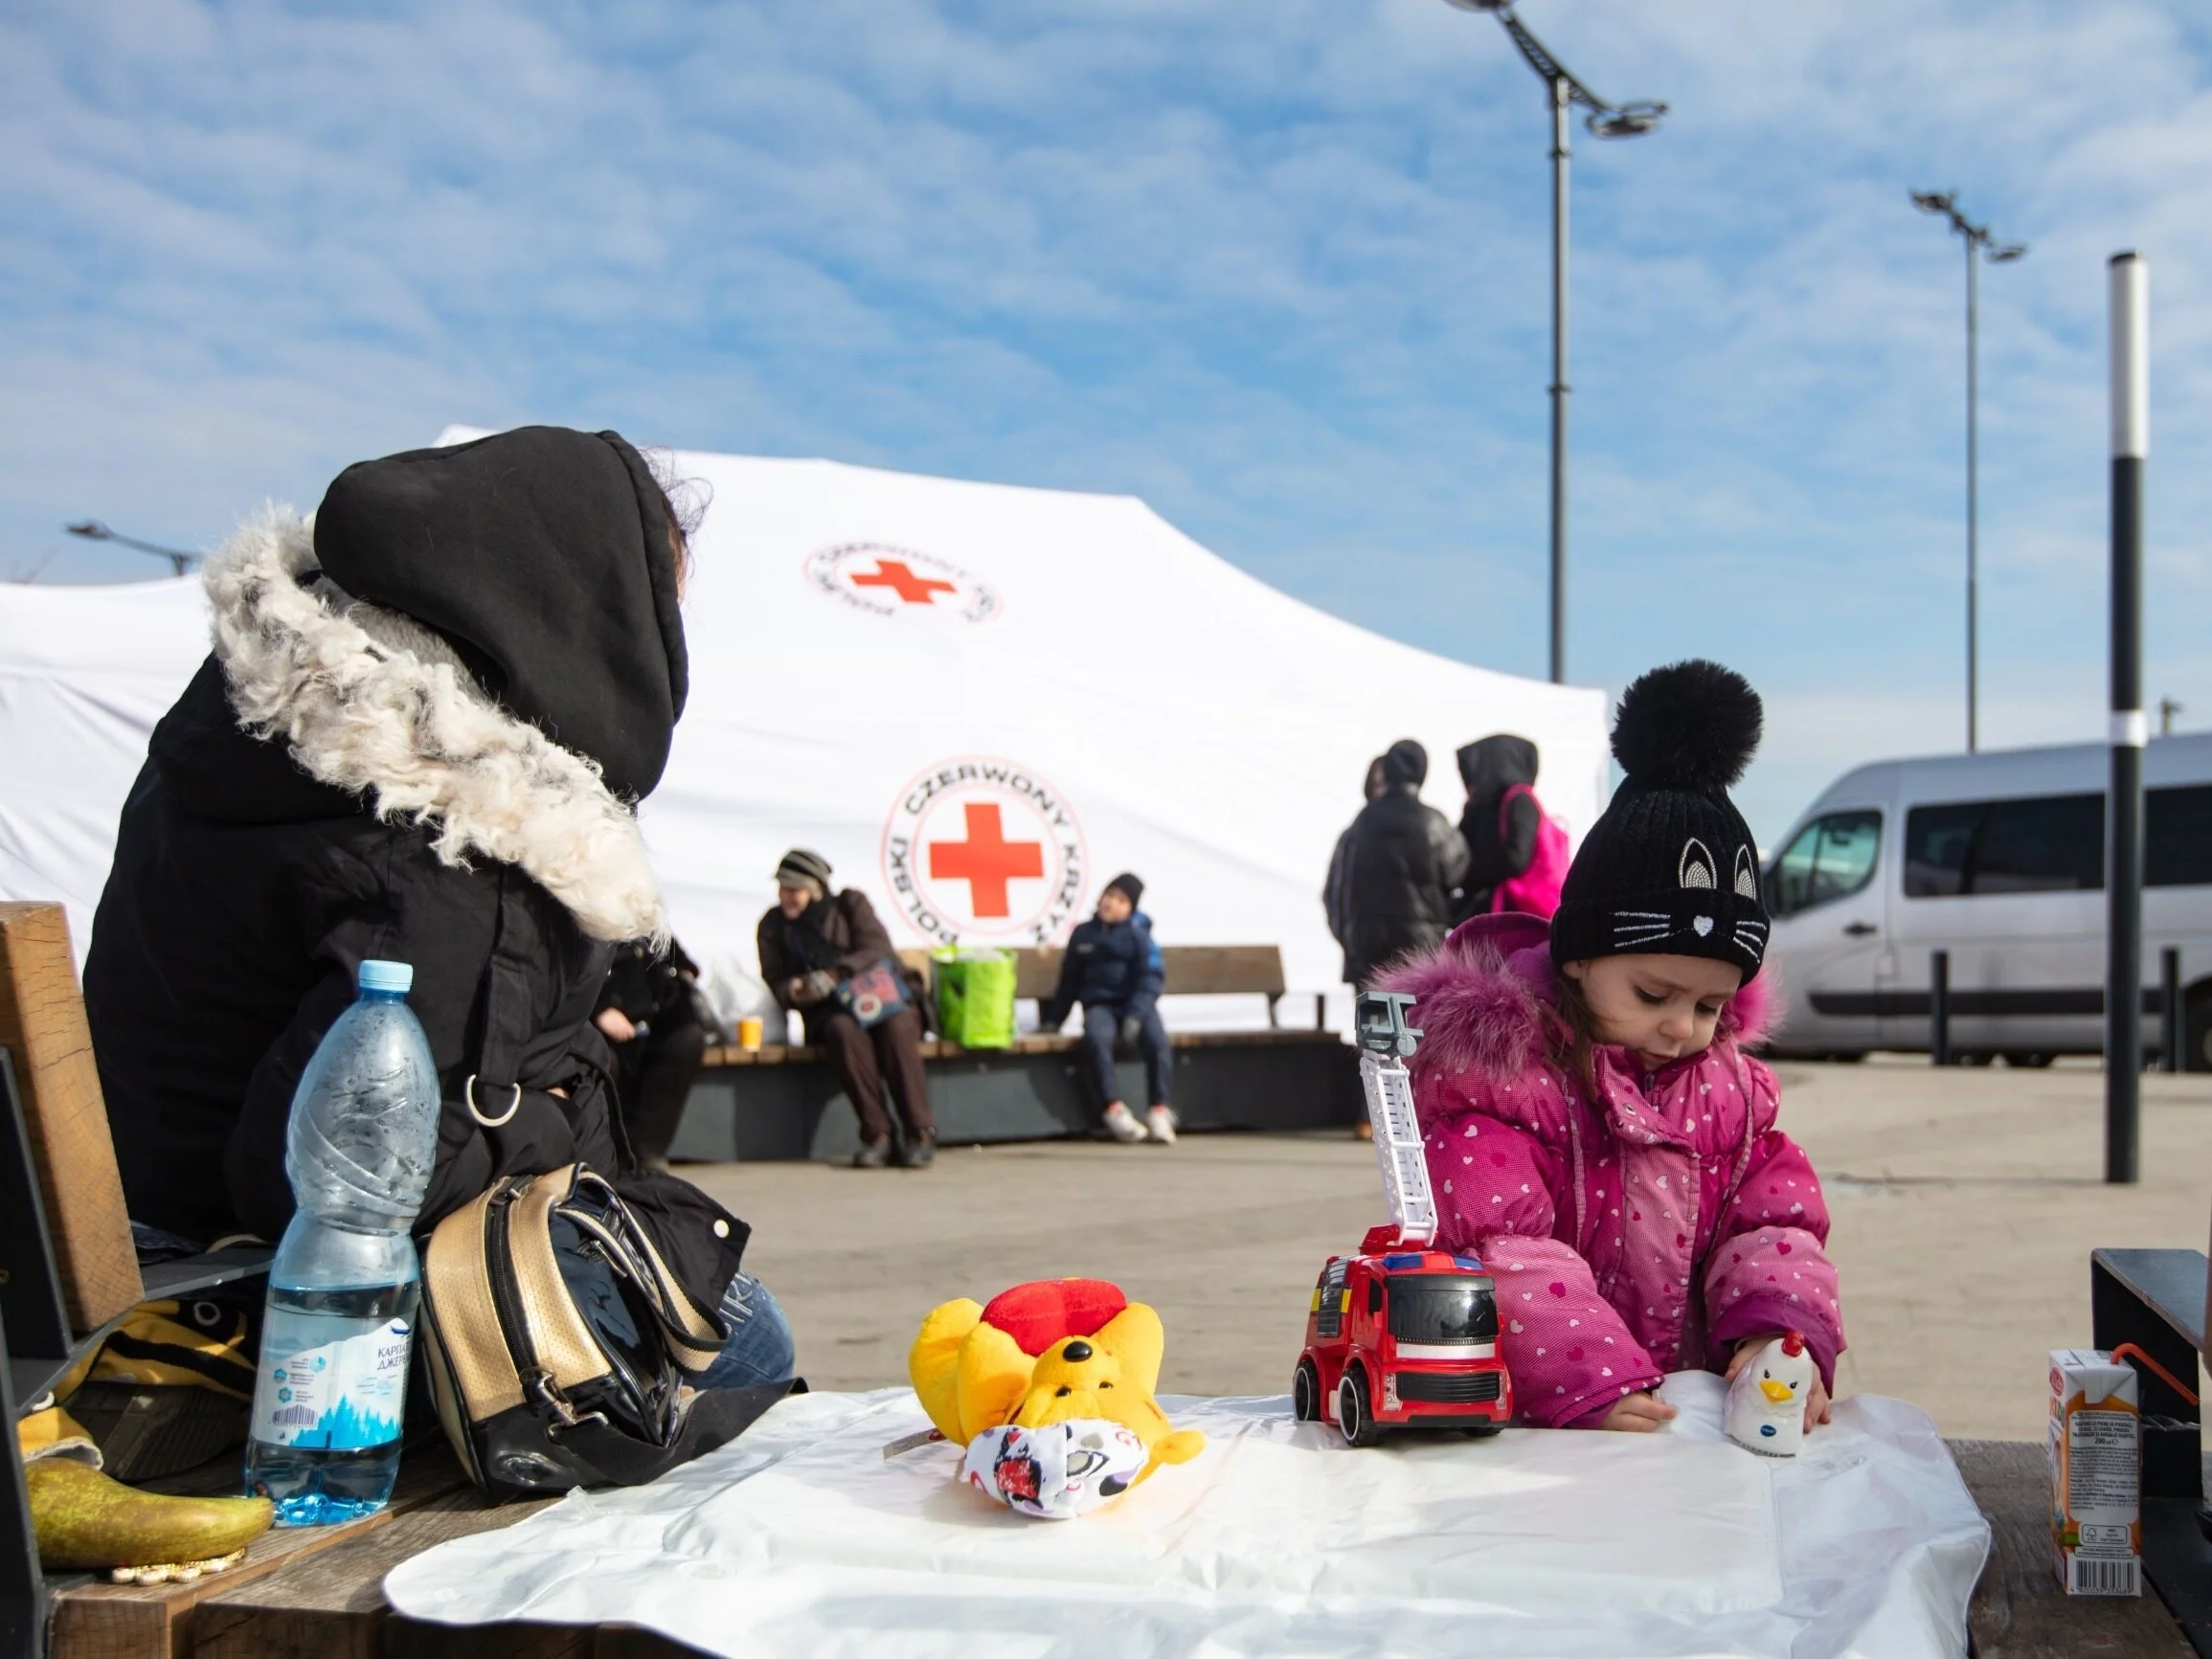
x=1659, y=1008
x=1114, y=906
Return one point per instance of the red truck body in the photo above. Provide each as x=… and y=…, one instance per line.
x=1402, y=1336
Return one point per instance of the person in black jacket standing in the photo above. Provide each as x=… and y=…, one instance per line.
x=1500, y=833
x=421, y=738
x=810, y=944
x=1115, y=970
x=1404, y=862
x=648, y=1011
x=1336, y=891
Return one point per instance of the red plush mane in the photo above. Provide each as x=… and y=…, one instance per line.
x=1040, y=1313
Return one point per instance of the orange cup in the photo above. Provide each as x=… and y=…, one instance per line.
x=749, y=1033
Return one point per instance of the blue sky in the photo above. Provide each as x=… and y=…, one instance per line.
x=1279, y=268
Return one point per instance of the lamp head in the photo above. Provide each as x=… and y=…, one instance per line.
x=1632, y=120
x=92, y=530
x=1480, y=5
x=1934, y=201
x=2005, y=253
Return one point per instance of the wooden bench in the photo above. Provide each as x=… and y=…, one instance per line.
x=780, y=1101
x=68, y=1269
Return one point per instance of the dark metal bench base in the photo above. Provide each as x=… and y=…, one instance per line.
x=795, y=1109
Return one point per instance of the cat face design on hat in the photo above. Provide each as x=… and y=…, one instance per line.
x=1671, y=867
x=1695, y=875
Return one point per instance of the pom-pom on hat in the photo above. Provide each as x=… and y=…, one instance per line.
x=1671, y=867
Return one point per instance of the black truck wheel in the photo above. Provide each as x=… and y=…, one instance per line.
x=1354, y=1415
x=1306, y=1393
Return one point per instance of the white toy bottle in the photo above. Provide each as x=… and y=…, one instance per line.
x=1766, y=1411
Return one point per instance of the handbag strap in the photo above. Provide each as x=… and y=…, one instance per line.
x=693, y=1338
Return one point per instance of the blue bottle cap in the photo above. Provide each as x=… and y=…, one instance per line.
x=397, y=977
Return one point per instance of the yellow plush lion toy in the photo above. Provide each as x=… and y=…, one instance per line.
x=1049, y=1388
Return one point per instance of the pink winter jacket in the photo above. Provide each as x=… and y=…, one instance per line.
x=1628, y=1240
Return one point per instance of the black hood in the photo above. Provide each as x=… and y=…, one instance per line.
x=542, y=555
x=1493, y=765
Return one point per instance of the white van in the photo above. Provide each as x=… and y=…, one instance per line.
x=2000, y=859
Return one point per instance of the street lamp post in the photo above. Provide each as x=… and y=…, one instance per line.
x=1604, y=120
x=93, y=530
x=1977, y=240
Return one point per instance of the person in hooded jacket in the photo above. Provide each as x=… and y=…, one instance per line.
x=1404, y=861
x=1502, y=821
x=1115, y=972
x=421, y=737
x=1335, y=891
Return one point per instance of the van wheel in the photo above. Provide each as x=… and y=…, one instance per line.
x=2029, y=1062
x=1354, y=1416
x=1306, y=1393
x=2197, y=1022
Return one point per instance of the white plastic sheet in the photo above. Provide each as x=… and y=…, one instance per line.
x=801, y=1540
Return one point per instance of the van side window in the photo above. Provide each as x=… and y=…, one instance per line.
x=2051, y=843
x=1831, y=858
x=2178, y=838
x=2054, y=844
x=1938, y=842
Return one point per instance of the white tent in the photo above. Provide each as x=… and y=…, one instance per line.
x=978, y=701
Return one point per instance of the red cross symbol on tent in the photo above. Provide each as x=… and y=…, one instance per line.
x=899, y=576
x=986, y=861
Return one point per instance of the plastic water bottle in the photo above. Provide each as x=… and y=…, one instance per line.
x=333, y=1385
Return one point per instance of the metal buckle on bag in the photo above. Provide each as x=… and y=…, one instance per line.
x=468, y=1096
x=540, y=1386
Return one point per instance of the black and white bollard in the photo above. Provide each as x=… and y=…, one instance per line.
x=2131, y=301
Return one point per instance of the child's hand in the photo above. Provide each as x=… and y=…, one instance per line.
x=1638, y=1413
x=1815, y=1402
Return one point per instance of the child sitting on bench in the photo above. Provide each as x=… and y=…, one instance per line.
x=1115, y=970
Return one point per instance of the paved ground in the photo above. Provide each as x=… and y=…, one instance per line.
x=1966, y=1203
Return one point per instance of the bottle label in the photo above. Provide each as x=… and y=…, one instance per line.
x=330, y=1396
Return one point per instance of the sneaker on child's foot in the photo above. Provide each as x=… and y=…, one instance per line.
x=1159, y=1123
x=1122, y=1125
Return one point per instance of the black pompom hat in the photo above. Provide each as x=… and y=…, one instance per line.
x=1671, y=867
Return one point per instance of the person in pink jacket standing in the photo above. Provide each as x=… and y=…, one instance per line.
x=1595, y=1132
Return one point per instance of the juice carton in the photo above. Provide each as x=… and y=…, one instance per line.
x=2096, y=1452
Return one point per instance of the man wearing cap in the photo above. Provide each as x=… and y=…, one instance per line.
x=810, y=944
x=1115, y=970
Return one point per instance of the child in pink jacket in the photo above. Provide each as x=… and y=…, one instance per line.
x=1595, y=1133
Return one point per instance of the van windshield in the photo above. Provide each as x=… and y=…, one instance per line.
x=1441, y=1307
x=1831, y=858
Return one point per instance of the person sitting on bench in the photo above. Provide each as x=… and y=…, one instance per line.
x=650, y=1011
x=420, y=738
x=1115, y=970
x=811, y=945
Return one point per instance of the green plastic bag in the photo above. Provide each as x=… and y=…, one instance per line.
x=975, y=996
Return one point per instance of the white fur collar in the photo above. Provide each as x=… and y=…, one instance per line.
x=372, y=701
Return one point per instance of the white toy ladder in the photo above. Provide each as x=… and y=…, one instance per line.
x=1385, y=1039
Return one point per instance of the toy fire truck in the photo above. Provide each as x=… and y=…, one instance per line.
x=1400, y=1336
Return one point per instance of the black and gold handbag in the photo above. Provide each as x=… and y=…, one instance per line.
x=562, y=1352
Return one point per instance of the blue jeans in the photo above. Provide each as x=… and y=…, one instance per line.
x=1101, y=1024
x=759, y=1348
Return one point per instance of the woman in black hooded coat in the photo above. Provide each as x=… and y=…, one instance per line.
x=421, y=737
x=1500, y=833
